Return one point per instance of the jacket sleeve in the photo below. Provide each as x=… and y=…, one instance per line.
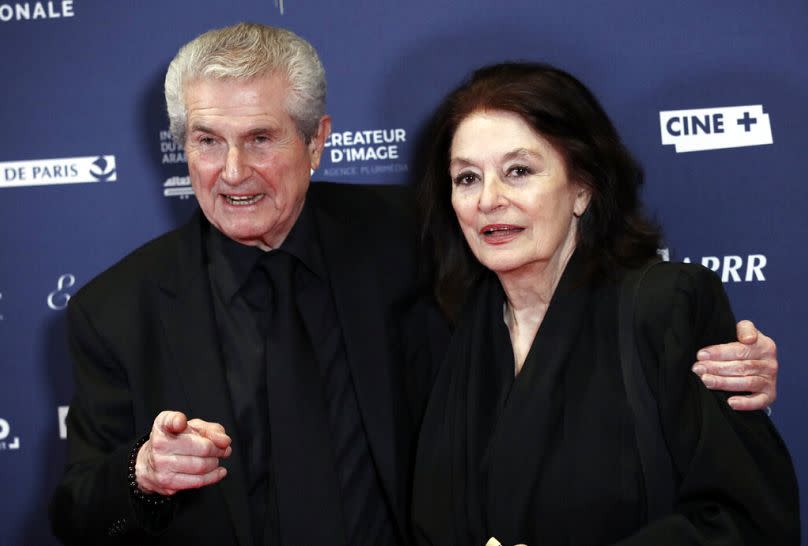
x=92, y=503
x=735, y=479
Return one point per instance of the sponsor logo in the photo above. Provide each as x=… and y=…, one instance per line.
x=730, y=268
x=1, y=314
x=178, y=186
x=6, y=440
x=736, y=268
x=368, y=151
x=57, y=300
x=66, y=170
x=170, y=150
x=61, y=412
x=32, y=11
x=715, y=128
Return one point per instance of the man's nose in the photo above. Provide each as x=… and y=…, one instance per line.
x=235, y=166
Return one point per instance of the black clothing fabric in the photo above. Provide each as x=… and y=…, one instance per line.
x=241, y=320
x=549, y=457
x=144, y=338
x=288, y=313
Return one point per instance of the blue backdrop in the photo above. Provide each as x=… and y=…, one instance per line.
x=88, y=171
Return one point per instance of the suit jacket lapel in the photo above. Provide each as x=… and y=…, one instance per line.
x=358, y=299
x=192, y=339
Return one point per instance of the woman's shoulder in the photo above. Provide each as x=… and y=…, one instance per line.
x=683, y=298
x=666, y=275
x=670, y=283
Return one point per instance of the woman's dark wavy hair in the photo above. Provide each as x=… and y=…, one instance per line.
x=613, y=232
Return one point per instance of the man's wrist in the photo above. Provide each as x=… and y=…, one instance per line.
x=148, y=499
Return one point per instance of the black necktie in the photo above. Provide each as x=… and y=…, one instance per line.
x=306, y=485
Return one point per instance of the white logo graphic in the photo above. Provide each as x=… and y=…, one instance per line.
x=57, y=300
x=1, y=314
x=5, y=430
x=67, y=170
x=715, y=128
x=178, y=186
x=172, y=152
x=25, y=11
x=736, y=268
x=61, y=411
x=378, y=144
x=730, y=268
x=369, y=151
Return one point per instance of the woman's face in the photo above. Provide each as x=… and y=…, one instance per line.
x=511, y=194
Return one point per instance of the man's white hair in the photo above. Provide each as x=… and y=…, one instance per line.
x=242, y=52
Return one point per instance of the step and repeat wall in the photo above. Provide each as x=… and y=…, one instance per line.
x=710, y=96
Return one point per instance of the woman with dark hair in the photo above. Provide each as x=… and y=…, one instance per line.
x=531, y=204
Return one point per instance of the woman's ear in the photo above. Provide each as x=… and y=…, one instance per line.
x=582, y=197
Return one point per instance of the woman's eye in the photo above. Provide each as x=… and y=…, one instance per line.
x=519, y=170
x=464, y=179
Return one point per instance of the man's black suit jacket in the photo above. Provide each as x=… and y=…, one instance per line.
x=143, y=340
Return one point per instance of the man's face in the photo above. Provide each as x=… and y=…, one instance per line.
x=249, y=165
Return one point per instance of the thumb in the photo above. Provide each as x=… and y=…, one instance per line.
x=747, y=332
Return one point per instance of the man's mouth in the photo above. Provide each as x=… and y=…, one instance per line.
x=243, y=200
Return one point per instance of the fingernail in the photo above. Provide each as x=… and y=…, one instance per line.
x=703, y=355
x=698, y=369
x=708, y=380
x=732, y=403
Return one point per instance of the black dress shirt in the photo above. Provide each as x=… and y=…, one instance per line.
x=242, y=326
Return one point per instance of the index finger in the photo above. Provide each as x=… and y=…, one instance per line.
x=170, y=422
x=725, y=352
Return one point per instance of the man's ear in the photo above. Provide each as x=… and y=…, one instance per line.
x=317, y=143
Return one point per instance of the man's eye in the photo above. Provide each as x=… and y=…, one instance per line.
x=206, y=141
x=261, y=139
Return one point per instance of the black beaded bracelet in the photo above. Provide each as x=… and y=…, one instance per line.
x=150, y=499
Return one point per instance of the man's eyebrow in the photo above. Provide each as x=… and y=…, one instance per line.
x=198, y=127
x=261, y=130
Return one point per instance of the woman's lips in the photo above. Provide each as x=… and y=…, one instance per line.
x=497, y=234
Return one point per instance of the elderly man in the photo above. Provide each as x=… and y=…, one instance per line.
x=257, y=376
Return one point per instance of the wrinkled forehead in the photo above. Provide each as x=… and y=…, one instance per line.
x=237, y=105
